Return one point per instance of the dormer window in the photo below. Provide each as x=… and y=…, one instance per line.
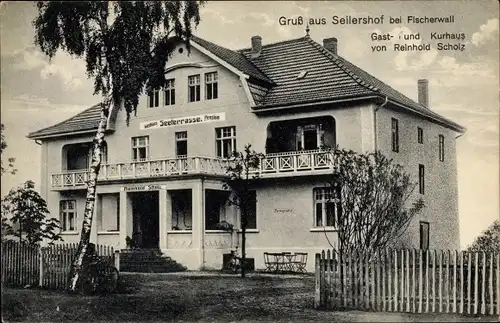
x=301, y=75
x=154, y=99
x=170, y=92
x=194, y=88
x=211, y=86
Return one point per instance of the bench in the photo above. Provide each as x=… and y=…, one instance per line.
x=285, y=262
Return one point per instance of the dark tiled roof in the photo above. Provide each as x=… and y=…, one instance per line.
x=85, y=120
x=324, y=80
x=328, y=77
x=274, y=81
x=235, y=59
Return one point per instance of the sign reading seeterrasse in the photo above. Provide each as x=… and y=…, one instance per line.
x=202, y=118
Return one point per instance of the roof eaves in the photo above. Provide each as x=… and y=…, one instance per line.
x=61, y=133
x=37, y=133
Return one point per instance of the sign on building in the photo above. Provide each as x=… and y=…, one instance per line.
x=191, y=120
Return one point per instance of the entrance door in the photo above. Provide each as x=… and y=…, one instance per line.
x=145, y=208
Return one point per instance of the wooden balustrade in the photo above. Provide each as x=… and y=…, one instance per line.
x=276, y=164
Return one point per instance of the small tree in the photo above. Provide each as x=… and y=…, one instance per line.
x=28, y=212
x=242, y=170
x=489, y=240
x=373, y=193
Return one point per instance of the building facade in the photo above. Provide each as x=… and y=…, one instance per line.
x=160, y=182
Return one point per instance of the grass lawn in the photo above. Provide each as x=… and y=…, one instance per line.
x=192, y=297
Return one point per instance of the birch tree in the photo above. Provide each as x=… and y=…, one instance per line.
x=125, y=45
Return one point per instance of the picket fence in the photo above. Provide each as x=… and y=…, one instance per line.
x=47, y=267
x=409, y=280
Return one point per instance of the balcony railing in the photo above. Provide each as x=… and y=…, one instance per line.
x=272, y=165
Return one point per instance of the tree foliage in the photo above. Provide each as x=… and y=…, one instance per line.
x=3, y=145
x=374, y=197
x=125, y=44
x=489, y=240
x=28, y=213
x=242, y=175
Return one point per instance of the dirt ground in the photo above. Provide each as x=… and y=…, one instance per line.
x=192, y=297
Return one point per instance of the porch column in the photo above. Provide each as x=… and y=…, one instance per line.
x=123, y=218
x=198, y=219
x=164, y=215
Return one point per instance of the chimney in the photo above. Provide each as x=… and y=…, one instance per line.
x=423, y=92
x=330, y=44
x=256, y=46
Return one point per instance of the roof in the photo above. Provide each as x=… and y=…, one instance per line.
x=274, y=82
x=236, y=59
x=329, y=77
x=86, y=120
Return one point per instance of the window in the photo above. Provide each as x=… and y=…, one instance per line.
x=395, y=135
x=140, y=148
x=424, y=235
x=310, y=137
x=194, y=88
x=170, y=92
x=441, y=148
x=109, y=212
x=181, y=143
x=215, y=208
x=154, y=99
x=211, y=87
x=327, y=207
x=421, y=178
x=68, y=215
x=420, y=134
x=225, y=141
x=251, y=218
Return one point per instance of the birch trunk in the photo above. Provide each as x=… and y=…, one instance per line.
x=95, y=165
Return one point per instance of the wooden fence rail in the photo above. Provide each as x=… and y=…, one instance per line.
x=410, y=280
x=48, y=267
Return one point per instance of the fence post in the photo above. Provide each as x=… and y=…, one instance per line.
x=117, y=259
x=317, y=292
x=40, y=265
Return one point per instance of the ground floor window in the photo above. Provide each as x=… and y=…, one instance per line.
x=327, y=207
x=424, y=235
x=68, y=215
x=181, y=201
x=216, y=203
x=109, y=212
x=251, y=216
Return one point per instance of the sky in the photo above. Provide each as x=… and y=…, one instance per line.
x=463, y=85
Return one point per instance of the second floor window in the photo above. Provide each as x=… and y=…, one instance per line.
x=441, y=148
x=420, y=135
x=211, y=86
x=181, y=143
x=154, y=99
x=327, y=207
x=170, y=92
x=140, y=148
x=395, y=134
x=225, y=141
x=421, y=179
x=68, y=215
x=194, y=88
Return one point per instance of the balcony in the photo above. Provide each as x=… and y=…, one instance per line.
x=295, y=163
